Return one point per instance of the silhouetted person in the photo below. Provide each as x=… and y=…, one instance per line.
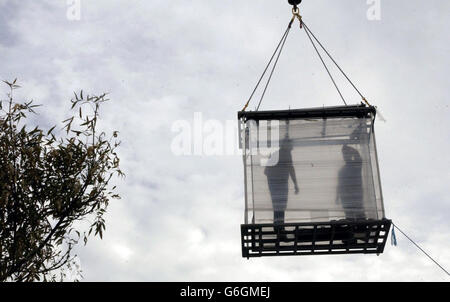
x=349, y=189
x=278, y=181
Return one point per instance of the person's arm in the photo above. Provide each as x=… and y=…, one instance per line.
x=289, y=163
x=338, y=193
x=294, y=177
x=338, y=187
x=357, y=156
x=292, y=171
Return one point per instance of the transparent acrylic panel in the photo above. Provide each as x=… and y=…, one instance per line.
x=308, y=170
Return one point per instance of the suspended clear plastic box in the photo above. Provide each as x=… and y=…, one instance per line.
x=312, y=182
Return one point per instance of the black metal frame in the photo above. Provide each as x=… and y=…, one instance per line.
x=359, y=111
x=315, y=238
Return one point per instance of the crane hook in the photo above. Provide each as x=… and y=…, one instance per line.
x=296, y=13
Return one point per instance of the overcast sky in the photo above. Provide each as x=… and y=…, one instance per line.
x=162, y=61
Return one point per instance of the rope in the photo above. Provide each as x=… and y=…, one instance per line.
x=268, y=64
x=279, y=49
x=274, y=65
x=440, y=266
x=335, y=63
x=324, y=65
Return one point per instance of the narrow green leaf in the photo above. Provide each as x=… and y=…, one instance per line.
x=50, y=131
